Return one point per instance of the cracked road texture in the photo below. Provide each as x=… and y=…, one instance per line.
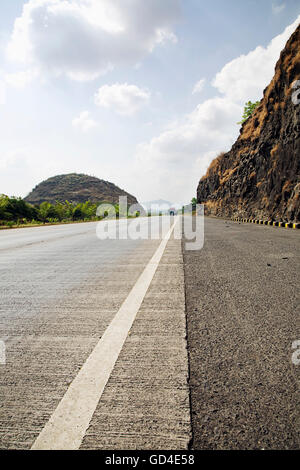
x=60, y=288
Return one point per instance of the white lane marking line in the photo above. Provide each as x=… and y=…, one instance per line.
x=68, y=424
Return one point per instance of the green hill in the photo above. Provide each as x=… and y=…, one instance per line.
x=77, y=188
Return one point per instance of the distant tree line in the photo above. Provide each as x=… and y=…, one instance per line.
x=16, y=211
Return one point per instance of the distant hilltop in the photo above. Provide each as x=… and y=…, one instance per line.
x=260, y=176
x=77, y=188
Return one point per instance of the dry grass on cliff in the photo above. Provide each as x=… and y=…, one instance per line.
x=287, y=186
x=214, y=167
x=284, y=72
x=252, y=128
x=274, y=150
x=227, y=175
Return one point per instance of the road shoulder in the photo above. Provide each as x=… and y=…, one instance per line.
x=242, y=302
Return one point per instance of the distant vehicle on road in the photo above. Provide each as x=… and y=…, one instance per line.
x=172, y=211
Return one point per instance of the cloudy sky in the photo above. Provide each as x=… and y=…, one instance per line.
x=143, y=93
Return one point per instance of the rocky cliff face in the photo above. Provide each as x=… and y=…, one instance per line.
x=77, y=188
x=260, y=176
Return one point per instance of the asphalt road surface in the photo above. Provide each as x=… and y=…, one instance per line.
x=95, y=339
x=63, y=292
x=242, y=301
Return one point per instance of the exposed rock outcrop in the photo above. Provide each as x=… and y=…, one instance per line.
x=260, y=176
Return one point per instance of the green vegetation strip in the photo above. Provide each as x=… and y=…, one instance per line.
x=17, y=213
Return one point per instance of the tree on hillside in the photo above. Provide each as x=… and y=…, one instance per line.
x=77, y=212
x=194, y=203
x=248, y=110
x=14, y=208
x=46, y=210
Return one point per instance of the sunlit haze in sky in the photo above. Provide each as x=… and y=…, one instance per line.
x=140, y=93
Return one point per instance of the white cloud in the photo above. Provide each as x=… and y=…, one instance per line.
x=11, y=159
x=85, y=38
x=122, y=98
x=278, y=8
x=174, y=160
x=179, y=156
x=21, y=79
x=199, y=86
x=2, y=92
x=15, y=170
x=245, y=77
x=84, y=122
